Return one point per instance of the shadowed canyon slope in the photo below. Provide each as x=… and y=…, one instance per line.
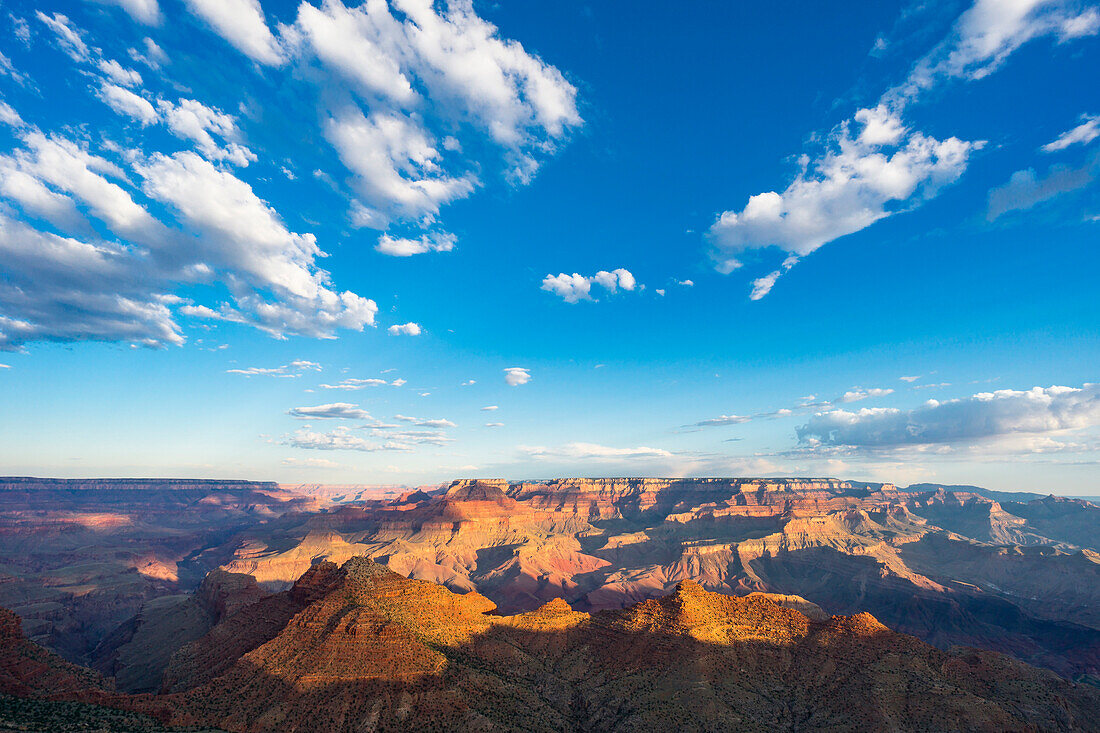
x=374, y=650
x=948, y=566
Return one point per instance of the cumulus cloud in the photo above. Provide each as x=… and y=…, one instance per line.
x=408, y=329
x=242, y=233
x=242, y=23
x=515, y=376
x=333, y=411
x=866, y=175
x=418, y=101
x=574, y=288
x=1083, y=134
x=909, y=379
x=190, y=119
x=984, y=416
x=427, y=73
x=405, y=247
x=1025, y=189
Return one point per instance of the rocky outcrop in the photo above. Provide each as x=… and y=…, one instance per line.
x=386, y=652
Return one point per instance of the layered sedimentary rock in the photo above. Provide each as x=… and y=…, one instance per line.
x=949, y=565
x=943, y=565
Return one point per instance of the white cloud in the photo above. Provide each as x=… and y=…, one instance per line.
x=293, y=369
x=722, y=420
x=310, y=463
x=65, y=289
x=408, y=329
x=143, y=11
x=192, y=120
x=425, y=422
x=68, y=37
x=430, y=76
x=355, y=43
x=494, y=424
x=9, y=116
x=489, y=408
x=593, y=450
x=399, y=382
x=857, y=394
x=984, y=36
x=339, y=439
x=48, y=170
x=355, y=384
x=515, y=376
x=861, y=178
x=687, y=283
x=615, y=279
x=984, y=416
x=404, y=247
x=909, y=379
x=333, y=411
x=244, y=234
x=396, y=166
x=242, y=23
x=5, y=366
x=126, y=102
x=574, y=288
x=761, y=286
x=1083, y=134
x=118, y=74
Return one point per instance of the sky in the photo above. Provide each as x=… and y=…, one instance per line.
x=398, y=242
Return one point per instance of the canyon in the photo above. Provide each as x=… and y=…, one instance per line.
x=148, y=583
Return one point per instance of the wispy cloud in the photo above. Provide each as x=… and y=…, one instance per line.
x=293, y=369
x=332, y=411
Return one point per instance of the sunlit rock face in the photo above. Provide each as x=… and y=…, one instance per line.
x=360, y=647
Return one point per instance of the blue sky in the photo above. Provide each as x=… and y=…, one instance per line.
x=313, y=242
